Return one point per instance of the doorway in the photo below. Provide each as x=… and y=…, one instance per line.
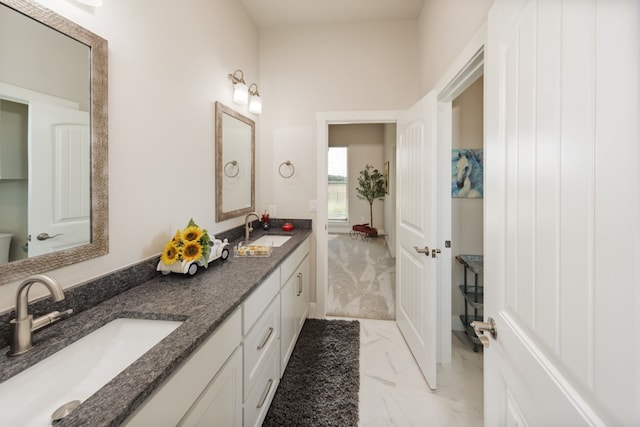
x=361, y=266
x=467, y=167
x=324, y=120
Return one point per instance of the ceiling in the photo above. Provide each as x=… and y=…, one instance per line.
x=288, y=13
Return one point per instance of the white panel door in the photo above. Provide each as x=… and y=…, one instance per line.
x=59, y=178
x=416, y=310
x=561, y=213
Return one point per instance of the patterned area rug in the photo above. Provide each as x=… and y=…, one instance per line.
x=361, y=278
x=321, y=383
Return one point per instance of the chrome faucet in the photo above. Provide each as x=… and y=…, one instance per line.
x=248, y=228
x=24, y=325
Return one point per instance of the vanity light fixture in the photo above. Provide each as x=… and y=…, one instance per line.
x=255, y=101
x=240, y=92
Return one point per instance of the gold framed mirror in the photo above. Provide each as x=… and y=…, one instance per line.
x=235, y=163
x=89, y=73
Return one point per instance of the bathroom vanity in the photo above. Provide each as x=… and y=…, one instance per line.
x=221, y=366
x=230, y=380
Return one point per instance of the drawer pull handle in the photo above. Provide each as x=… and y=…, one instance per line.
x=299, y=284
x=265, y=340
x=265, y=395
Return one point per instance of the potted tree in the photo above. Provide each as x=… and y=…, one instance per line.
x=371, y=185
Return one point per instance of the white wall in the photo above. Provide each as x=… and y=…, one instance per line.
x=168, y=64
x=446, y=27
x=366, y=66
x=466, y=214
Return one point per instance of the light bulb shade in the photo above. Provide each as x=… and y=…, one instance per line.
x=240, y=93
x=255, y=104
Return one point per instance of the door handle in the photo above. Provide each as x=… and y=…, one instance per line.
x=481, y=327
x=435, y=252
x=424, y=250
x=45, y=236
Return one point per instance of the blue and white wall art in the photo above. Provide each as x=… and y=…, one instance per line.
x=466, y=173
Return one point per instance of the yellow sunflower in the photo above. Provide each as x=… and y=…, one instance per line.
x=191, y=251
x=192, y=233
x=169, y=254
x=177, y=237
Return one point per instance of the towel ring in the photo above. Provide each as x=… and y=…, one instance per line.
x=233, y=168
x=290, y=166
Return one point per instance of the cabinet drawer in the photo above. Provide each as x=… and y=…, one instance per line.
x=258, y=344
x=290, y=264
x=257, y=404
x=259, y=300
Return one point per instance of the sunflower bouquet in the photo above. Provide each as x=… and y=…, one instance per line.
x=188, y=245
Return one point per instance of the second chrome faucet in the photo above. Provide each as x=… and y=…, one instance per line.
x=248, y=228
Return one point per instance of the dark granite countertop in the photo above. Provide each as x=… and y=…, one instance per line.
x=203, y=302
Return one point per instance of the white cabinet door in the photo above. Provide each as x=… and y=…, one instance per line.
x=287, y=320
x=302, y=294
x=294, y=303
x=199, y=375
x=561, y=213
x=220, y=404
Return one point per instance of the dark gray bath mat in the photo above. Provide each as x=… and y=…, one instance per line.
x=321, y=383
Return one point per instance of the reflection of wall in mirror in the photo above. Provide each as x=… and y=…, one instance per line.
x=237, y=147
x=65, y=60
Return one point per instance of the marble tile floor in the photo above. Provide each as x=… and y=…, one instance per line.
x=393, y=392
x=361, y=278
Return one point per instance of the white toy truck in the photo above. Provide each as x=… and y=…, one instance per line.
x=219, y=249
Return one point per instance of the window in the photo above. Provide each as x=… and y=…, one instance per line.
x=338, y=180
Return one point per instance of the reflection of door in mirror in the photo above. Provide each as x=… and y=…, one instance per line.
x=59, y=179
x=45, y=151
x=236, y=180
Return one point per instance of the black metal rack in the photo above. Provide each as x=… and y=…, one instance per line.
x=473, y=295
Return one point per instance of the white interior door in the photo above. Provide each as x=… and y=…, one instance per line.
x=416, y=296
x=561, y=213
x=59, y=178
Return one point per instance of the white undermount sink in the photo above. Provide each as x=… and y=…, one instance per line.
x=78, y=370
x=274, y=240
